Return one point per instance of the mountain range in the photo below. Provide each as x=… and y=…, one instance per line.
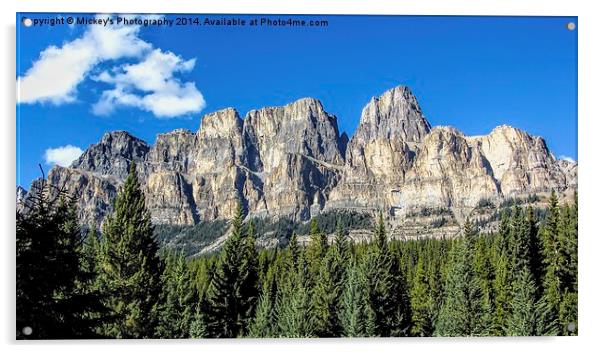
x=292, y=161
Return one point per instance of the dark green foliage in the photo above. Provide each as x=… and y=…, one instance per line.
x=329, y=221
x=192, y=238
x=130, y=268
x=524, y=317
x=422, y=303
x=180, y=299
x=293, y=308
x=294, y=251
x=54, y=294
x=535, y=251
x=326, y=294
x=316, y=250
x=189, y=239
x=485, y=203
x=233, y=290
x=429, y=211
x=355, y=313
x=265, y=314
x=559, y=239
x=520, y=280
x=462, y=310
x=248, y=278
x=387, y=290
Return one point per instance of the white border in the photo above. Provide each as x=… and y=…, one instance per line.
x=590, y=244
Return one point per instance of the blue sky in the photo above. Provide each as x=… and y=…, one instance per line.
x=470, y=72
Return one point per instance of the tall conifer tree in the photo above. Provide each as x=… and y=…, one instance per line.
x=387, y=289
x=318, y=246
x=232, y=292
x=421, y=302
x=180, y=299
x=461, y=312
x=130, y=272
x=355, y=315
x=54, y=294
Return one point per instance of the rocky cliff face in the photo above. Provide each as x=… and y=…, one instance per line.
x=292, y=154
x=381, y=151
x=291, y=161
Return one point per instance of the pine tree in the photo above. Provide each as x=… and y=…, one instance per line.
x=325, y=296
x=524, y=318
x=434, y=275
x=511, y=259
x=294, y=304
x=485, y=273
x=519, y=248
x=341, y=244
x=380, y=235
x=387, y=289
x=232, y=292
x=553, y=261
x=265, y=314
x=294, y=251
x=130, y=270
x=502, y=239
x=340, y=260
x=422, y=303
x=535, y=250
x=197, y=326
x=567, y=315
x=318, y=246
x=262, y=323
x=249, y=279
x=180, y=299
x=572, y=243
x=328, y=288
x=356, y=316
x=460, y=313
x=53, y=277
x=90, y=251
x=502, y=261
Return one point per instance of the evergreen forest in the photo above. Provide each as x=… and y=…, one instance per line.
x=118, y=282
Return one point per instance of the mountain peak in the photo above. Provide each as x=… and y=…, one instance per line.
x=113, y=154
x=399, y=91
x=118, y=135
x=292, y=161
x=299, y=109
x=307, y=102
x=394, y=113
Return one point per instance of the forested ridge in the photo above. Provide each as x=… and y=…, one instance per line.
x=117, y=283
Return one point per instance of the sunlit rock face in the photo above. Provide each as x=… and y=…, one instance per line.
x=294, y=153
x=292, y=161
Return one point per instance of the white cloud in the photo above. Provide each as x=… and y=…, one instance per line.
x=149, y=83
x=57, y=72
x=568, y=159
x=63, y=155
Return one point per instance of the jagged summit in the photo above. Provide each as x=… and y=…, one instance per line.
x=395, y=113
x=292, y=161
x=117, y=134
x=113, y=154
